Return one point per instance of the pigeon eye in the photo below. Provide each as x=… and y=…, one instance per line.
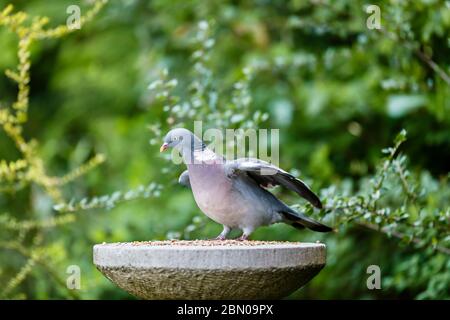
x=175, y=138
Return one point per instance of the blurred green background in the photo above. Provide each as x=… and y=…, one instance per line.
x=337, y=91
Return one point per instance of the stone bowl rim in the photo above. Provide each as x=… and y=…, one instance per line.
x=243, y=245
x=190, y=256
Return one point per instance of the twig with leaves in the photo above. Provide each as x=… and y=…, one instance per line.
x=380, y=206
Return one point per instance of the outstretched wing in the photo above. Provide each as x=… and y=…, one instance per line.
x=266, y=175
x=184, y=179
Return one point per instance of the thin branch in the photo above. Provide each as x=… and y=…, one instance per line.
x=433, y=65
x=400, y=235
x=419, y=53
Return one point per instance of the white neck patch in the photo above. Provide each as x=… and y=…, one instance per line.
x=204, y=155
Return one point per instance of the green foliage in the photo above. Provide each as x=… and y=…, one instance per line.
x=338, y=91
x=397, y=211
x=396, y=203
x=110, y=201
x=29, y=170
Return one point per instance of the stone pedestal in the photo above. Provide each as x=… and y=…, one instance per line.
x=210, y=269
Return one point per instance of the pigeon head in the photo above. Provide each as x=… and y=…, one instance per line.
x=181, y=139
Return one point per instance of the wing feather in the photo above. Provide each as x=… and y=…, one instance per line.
x=266, y=174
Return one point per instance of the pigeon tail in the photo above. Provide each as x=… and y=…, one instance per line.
x=300, y=221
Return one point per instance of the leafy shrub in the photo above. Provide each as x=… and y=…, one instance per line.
x=338, y=91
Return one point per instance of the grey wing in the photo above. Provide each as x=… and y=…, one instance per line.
x=184, y=179
x=266, y=174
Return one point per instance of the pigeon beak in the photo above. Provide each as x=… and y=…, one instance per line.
x=164, y=147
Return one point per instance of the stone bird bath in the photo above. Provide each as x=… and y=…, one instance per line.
x=202, y=269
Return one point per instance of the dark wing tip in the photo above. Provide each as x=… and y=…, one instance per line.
x=317, y=203
x=304, y=191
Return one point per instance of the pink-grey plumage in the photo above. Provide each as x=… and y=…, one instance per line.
x=233, y=193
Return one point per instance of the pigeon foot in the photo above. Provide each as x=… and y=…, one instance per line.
x=244, y=237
